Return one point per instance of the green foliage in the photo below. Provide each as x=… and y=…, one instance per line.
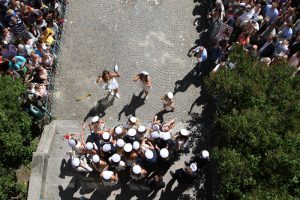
x=15, y=135
x=8, y=185
x=258, y=130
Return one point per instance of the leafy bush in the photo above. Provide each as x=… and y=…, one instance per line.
x=257, y=129
x=15, y=135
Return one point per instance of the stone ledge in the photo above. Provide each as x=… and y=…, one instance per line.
x=39, y=163
x=47, y=138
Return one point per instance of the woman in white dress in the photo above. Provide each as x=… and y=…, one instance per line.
x=145, y=82
x=110, y=83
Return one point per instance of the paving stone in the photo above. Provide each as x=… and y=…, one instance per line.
x=151, y=35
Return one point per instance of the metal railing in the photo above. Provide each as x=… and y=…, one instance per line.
x=56, y=47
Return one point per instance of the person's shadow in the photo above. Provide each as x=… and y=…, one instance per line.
x=135, y=103
x=189, y=79
x=100, y=107
x=168, y=193
x=75, y=183
x=66, y=169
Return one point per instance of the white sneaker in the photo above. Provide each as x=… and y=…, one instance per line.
x=112, y=93
x=117, y=95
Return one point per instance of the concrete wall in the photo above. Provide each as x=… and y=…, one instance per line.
x=39, y=162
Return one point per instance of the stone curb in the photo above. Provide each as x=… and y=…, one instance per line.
x=39, y=163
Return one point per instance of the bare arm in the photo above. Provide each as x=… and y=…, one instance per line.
x=82, y=135
x=137, y=77
x=114, y=74
x=99, y=79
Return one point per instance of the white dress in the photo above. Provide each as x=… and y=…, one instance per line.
x=112, y=84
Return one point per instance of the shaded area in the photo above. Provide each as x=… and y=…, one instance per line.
x=135, y=103
x=201, y=124
x=100, y=107
x=85, y=183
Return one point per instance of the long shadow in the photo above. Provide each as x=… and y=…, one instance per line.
x=194, y=77
x=135, y=103
x=134, y=188
x=176, y=193
x=100, y=107
x=201, y=124
x=65, y=169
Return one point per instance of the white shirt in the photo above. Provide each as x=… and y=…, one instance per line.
x=246, y=16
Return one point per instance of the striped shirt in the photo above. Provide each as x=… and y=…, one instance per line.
x=18, y=28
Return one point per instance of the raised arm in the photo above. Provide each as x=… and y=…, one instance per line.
x=82, y=135
x=114, y=74
x=136, y=77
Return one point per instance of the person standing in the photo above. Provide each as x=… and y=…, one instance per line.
x=200, y=53
x=110, y=83
x=168, y=102
x=145, y=82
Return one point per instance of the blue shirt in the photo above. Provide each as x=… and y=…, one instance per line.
x=203, y=56
x=272, y=13
x=17, y=65
x=286, y=33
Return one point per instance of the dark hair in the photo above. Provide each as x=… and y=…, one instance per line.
x=5, y=46
x=44, y=28
x=105, y=72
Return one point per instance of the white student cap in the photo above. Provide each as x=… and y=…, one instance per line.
x=131, y=132
x=128, y=147
x=166, y=136
x=118, y=130
x=149, y=154
x=75, y=162
x=170, y=95
x=164, y=153
x=105, y=135
x=205, y=154
x=107, y=174
x=136, y=169
x=132, y=119
x=95, y=119
x=106, y=148
x=116, y=158
x=122, y=163
x=155, y=127
x=141, y=129
x=155, y=134
x=136, y=145
x=184, y=132
x=96, y=158
x=72, y=142
x=89, y=146
x=120, y=143
x=144, y=73
x=193, y=167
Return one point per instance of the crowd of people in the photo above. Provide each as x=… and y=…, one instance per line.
x=268, y=29
x=29, y=30
x=134, y=149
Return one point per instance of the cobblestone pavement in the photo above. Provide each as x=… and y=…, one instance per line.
x=151, y=35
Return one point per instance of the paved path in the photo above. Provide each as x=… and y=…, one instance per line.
x=151, y=35
x=62, y=182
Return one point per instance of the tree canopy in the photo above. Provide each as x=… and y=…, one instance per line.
x=257, y=128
